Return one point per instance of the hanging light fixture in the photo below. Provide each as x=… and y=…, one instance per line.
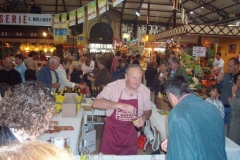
x=52, y=48
x=37, y=47
x=27, y=47
x=46, y=48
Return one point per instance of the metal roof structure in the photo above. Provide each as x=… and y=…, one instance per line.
x=210, y=12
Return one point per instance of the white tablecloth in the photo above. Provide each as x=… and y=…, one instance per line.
x=160, y=122
x=72, y=134
x=134, y=157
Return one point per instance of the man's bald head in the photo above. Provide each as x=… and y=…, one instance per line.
x=7, y=63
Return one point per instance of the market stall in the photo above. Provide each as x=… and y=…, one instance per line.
x=195, y=45
x=73, y=133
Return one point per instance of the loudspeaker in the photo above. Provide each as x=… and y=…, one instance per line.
x=35, y=9
x=76, y=29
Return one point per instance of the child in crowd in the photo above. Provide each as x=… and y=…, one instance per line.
x=212, y=94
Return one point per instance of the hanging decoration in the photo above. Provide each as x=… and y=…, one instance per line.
x=80, y=15
x=56, y=21
x=102, y=6
x=64, y=20
x=72, y=18
x=92, y=13
x=116, y=2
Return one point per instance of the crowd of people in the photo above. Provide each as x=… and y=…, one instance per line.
x=27, y=104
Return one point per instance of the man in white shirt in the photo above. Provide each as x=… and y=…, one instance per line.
x=61, y=71
x=218, y=64
x=20, y=66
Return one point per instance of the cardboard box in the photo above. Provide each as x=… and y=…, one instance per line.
x=89, y=134
x=69, y=105
x=69, y=110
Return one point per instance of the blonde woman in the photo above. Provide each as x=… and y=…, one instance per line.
x=33, y=150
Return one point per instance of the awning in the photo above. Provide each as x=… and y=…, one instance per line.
x=213, y=30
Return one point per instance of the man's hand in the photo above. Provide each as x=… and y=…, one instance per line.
x=219, y=77
x=140, y=121
x=55, y=85
x=164, y=145
x=125, y=107
x=234, y=89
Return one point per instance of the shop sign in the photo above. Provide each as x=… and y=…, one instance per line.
x=199, y=51
x=155, y=44
x=26, y=19
x=133, y=43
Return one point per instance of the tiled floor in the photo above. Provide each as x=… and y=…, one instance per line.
x=99, y=129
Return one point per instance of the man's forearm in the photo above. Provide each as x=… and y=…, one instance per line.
x=146, y=114
x=102, y=103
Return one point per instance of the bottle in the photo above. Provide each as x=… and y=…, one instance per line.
x=67, y=146
x=134, y=118
x=73, y=89
x=65, y=90
x=84, y=152
x=100, y=156
x=98, y=90
x=93, y=93
x=160, y=95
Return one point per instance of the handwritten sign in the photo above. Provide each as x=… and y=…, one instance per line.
x=199, y=51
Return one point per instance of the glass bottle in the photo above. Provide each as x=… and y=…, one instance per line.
x=100, y=156
x=93, y=93
x=84, y=152
x=67, y=146
x=134, y=118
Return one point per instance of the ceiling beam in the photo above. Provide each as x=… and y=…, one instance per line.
x=170, y=19
x=80, y=3
x=56, y=6
x=213, y=12
x=200, y=5
x=144, y=22
x=162, y=4
x=212, y=8
x=196, y=15
x=26, y=5
x=146, y=15
x=145, y=9
x=123, y=7
x=139, y=8
x=64, y=6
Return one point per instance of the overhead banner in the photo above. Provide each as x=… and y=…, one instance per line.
x=60, y=34
x=92, y=13
x=102, y=6
x=25, y=19
x=116, y=2
x=56, y=20
x=64, y=20
x=80, y=15
x=81, y=40
x=72, y=18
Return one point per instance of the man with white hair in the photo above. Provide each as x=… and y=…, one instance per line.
x=48, y=76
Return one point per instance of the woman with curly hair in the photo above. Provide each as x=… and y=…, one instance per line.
x=25, y=112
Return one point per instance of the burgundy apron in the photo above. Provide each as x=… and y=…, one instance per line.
x=119, y=135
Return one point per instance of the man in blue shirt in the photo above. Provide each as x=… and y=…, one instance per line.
x=20, y=66
x=195, y=127
x=48, y=76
